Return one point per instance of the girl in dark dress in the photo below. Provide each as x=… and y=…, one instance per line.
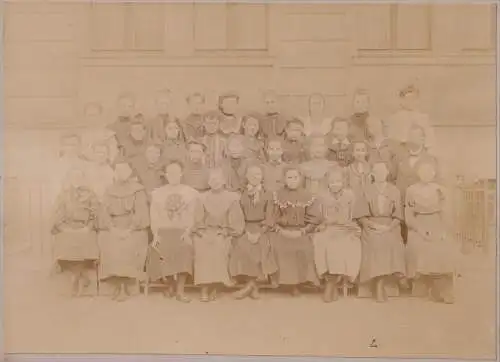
x=292, y=215
x=195, y=172
x=273, y=123
x=149, y=169
x=230, y=122
x=135, y=144
x=339, y=146
x=193, y=123
x=293, y=144
x=174, y=145
x=252, y=140
x=156, y=126
x=251, y=250
x=126, y=111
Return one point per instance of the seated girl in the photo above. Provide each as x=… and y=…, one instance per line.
x=123, y=239
x=293, y=215
x=249, y=257
x=172, y=217
x=218, y=220
x=337, y=246
x=383, y=255
x=431, y=253
x=74, y=228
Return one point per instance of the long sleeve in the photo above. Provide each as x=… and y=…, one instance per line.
x=140, y=219
x=409, y=209
x=236, y=219
x=58, y=214
x=199, y=216
x=94, y=212
x=154, y=213
x=314, y=216
x=104, y=220
x=271, y=213
x=397, y=212
x=360, y=207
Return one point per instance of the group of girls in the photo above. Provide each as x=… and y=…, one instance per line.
x=225, y=199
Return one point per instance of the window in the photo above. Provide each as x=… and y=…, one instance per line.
x=127, y=27
x=477, y=26
x=394, y=27
x=230, y=26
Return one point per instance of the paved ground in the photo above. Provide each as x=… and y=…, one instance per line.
x=40, y=320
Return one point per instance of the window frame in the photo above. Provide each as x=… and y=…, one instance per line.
x=430, y=56
x=229, y=51
x=129, y=48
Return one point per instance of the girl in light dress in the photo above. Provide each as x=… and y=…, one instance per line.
x=431, y=252
x=315, y=170
x=317, y=123
x=337, y=245
x=218, y=220
x=172, y=216
x=74, y=226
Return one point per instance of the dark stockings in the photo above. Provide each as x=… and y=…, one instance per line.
x=250, y=289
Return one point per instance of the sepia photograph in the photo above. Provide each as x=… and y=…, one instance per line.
x=257, y=178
